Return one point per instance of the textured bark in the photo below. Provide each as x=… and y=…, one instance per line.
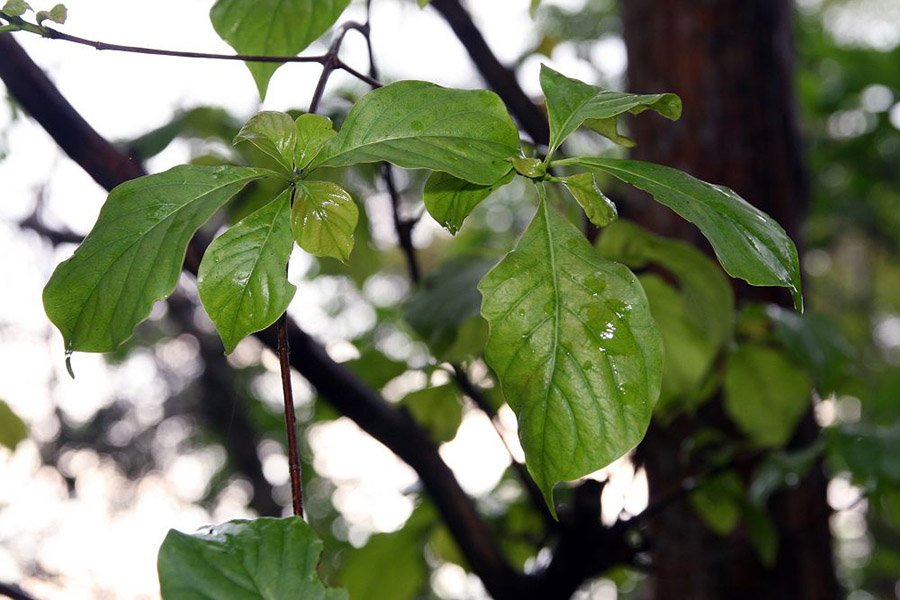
x=731, y=62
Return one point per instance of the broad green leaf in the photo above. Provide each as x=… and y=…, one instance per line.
x=718, y=502
x=599, y=209
x=420, y=125
x=12, y=429
x=263, y=559
x=15, y=8
x=57, y=14
x=243, y=276
x=533, y=168
x=273, y=133
x=437, y=409
x=273, y=28
x=449, y=199
x=390, y=565
x=571, y=102
x=447, y=300
x=748, y=242
x=313, y=131
x=133, y=255
x=200, y=122
x=323, y=219
x=575, y=348
x=765, y=395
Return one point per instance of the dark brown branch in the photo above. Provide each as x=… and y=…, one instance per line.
x=498, y=77
x=14, y=592
x=340, y=387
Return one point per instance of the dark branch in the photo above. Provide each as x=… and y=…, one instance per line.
x=14, y=592
x=498, y=77
x=340, y=387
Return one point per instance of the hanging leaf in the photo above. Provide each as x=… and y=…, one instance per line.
x=323, y=219
x=748, y=242
x=765, y=395
x=273, y=133
x=57, y=14
x=718, y=502
x=420, y=125
x=133, y=255
x=599, y=209
x=313, y=131
x=447, y=300
x=450, y=200
x=242, y=279
x=575, y=348
x=571, y=102
x=263, y=559
x=273, y=28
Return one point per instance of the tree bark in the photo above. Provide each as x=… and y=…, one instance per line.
x=731, y=61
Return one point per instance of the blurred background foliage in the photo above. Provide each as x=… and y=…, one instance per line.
x=406, y=343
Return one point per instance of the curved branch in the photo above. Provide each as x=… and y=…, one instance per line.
x=109, y=167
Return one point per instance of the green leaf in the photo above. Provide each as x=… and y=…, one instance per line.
x=707, y=296
x=449, y=200
x=447, y=300
x=599, y=209
x=765, y=395
x=571, y=102
x=438, y=409
x=869, y=452
x=15, y=8
x=200, y=122
x=274, y=134
x=718, y=502
x=12, y=429
x=313, y=131
x=391, y=565
x=323, y=219
x=242, y=279
x=420, y=125
x=748, y=242
x=575, y=348
x=273, y=28
x=689, y=351
x=423, y=3
x=374, y=368
x=263, y=559
x=696, y=319
x=532, y=9
x=782, y=469
x=533, y=168
x=761, y=532
x=57, y=14
x=133, y=255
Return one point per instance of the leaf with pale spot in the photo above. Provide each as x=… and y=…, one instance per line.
x=575, y=348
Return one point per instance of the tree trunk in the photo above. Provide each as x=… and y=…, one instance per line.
x=731, y=63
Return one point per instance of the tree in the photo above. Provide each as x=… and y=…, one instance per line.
x=702, y=371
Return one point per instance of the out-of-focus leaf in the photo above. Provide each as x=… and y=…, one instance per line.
x=718, y=502
x=765, y=394
x=374, y=368
x=447, y=300
x=12, y=429
x=869, y=452
x=438, y=409
x=781, y=469
x=449, y=199
x=202, y=122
